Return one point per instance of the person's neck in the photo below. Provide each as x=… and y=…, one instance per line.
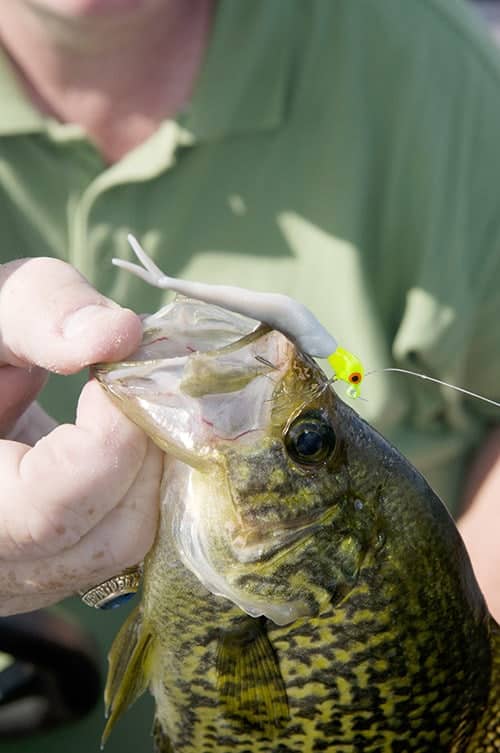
x=117, y=78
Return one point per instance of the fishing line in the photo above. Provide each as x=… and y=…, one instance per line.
x=436, y=381
x=278, y=312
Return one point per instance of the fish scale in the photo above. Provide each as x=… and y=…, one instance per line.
x=294, y=602
x=486, y=738
x=344, y=686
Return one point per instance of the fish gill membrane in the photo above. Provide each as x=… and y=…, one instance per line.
x=307, y=590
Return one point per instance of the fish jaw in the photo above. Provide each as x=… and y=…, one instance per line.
x=201, y=376
x=197, y=524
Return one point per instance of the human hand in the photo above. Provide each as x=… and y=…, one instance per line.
x=81, y=504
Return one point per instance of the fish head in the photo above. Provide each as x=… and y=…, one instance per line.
x=267, y=516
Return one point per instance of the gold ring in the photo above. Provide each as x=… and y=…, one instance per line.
x=115, y=591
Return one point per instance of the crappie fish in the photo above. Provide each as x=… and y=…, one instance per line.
x=307, y=590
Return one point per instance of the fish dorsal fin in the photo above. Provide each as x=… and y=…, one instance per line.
x=249, y=679
x=130, y=663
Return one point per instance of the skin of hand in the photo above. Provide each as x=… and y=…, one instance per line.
x=479, y=523
x=78, y=503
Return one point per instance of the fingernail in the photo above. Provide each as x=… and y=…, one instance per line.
x=81, y=321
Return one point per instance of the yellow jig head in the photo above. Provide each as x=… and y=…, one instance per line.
x=349, y=369
x=279, y=311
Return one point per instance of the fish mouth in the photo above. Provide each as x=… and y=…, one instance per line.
x=202, y=376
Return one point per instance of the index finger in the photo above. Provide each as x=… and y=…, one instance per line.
x=52, y=317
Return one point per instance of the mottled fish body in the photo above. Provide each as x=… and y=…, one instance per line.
x=307, y=591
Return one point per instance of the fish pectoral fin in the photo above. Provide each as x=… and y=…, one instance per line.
x=130, y=664
x=249, y=680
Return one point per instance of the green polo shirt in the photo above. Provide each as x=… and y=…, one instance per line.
x=345, y=152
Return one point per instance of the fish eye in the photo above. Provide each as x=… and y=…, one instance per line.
x=355, y=377
x=310, y=440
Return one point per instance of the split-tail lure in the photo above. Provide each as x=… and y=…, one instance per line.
x=279, y=311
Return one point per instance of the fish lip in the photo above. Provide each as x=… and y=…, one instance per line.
x=100, y=370
x=260, y=330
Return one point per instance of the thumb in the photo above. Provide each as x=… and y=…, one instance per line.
x=51, y=316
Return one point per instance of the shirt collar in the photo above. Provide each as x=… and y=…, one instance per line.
x=19, y=115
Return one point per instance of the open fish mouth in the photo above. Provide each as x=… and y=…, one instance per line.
x=201, y=376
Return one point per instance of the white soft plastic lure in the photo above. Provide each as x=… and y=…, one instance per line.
x=279, y=311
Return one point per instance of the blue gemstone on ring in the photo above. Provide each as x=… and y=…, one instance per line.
x=117, y=601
